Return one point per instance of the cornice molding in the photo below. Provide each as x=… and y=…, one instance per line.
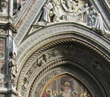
x=7, y=26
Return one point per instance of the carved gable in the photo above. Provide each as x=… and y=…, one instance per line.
x=39, y=14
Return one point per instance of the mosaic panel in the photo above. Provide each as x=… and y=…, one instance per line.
x=65, y=86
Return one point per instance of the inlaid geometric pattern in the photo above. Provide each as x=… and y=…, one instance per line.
x=2, y=44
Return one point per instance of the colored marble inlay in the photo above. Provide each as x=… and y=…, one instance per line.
x=2, y=44
x=1, y=66
x=3, y=31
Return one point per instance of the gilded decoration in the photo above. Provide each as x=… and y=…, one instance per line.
x=40, y=91
x=65, y=86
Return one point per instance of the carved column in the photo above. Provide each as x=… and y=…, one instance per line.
x=7, y=53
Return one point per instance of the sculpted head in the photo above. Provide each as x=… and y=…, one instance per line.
x=86, y=5
x=92, y=7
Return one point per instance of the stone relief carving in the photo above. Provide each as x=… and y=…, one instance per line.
x=3, y=5
x=47, y=10
x=25, y=83
x=41, y=60
x=71, y=10
x=2, y=31
x=100, y=68
x=70, y=50
x=58, y=52
x=19, y=8
x=97, y=66
x=44, y=58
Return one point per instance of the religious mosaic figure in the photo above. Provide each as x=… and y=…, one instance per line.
x=48, y=93
x=67, y=89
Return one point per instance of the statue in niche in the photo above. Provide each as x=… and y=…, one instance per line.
x=47, y=10
x=12, y=67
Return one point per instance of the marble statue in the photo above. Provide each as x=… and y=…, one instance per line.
x=71, y=10
x=12, y=67
x=86, y=14
x=99, y=22
x=46, y=12
x=55, y=10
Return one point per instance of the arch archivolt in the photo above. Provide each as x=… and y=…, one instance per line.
x=66, y=52
x=66, y=47
x=41, y=81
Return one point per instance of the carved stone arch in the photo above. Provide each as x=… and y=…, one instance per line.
x=37, y=54
x=87, y=79
x=63, y=57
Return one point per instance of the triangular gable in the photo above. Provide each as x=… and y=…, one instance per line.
x=40, y=13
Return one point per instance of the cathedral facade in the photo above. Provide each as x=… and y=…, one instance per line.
x=54, y=48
